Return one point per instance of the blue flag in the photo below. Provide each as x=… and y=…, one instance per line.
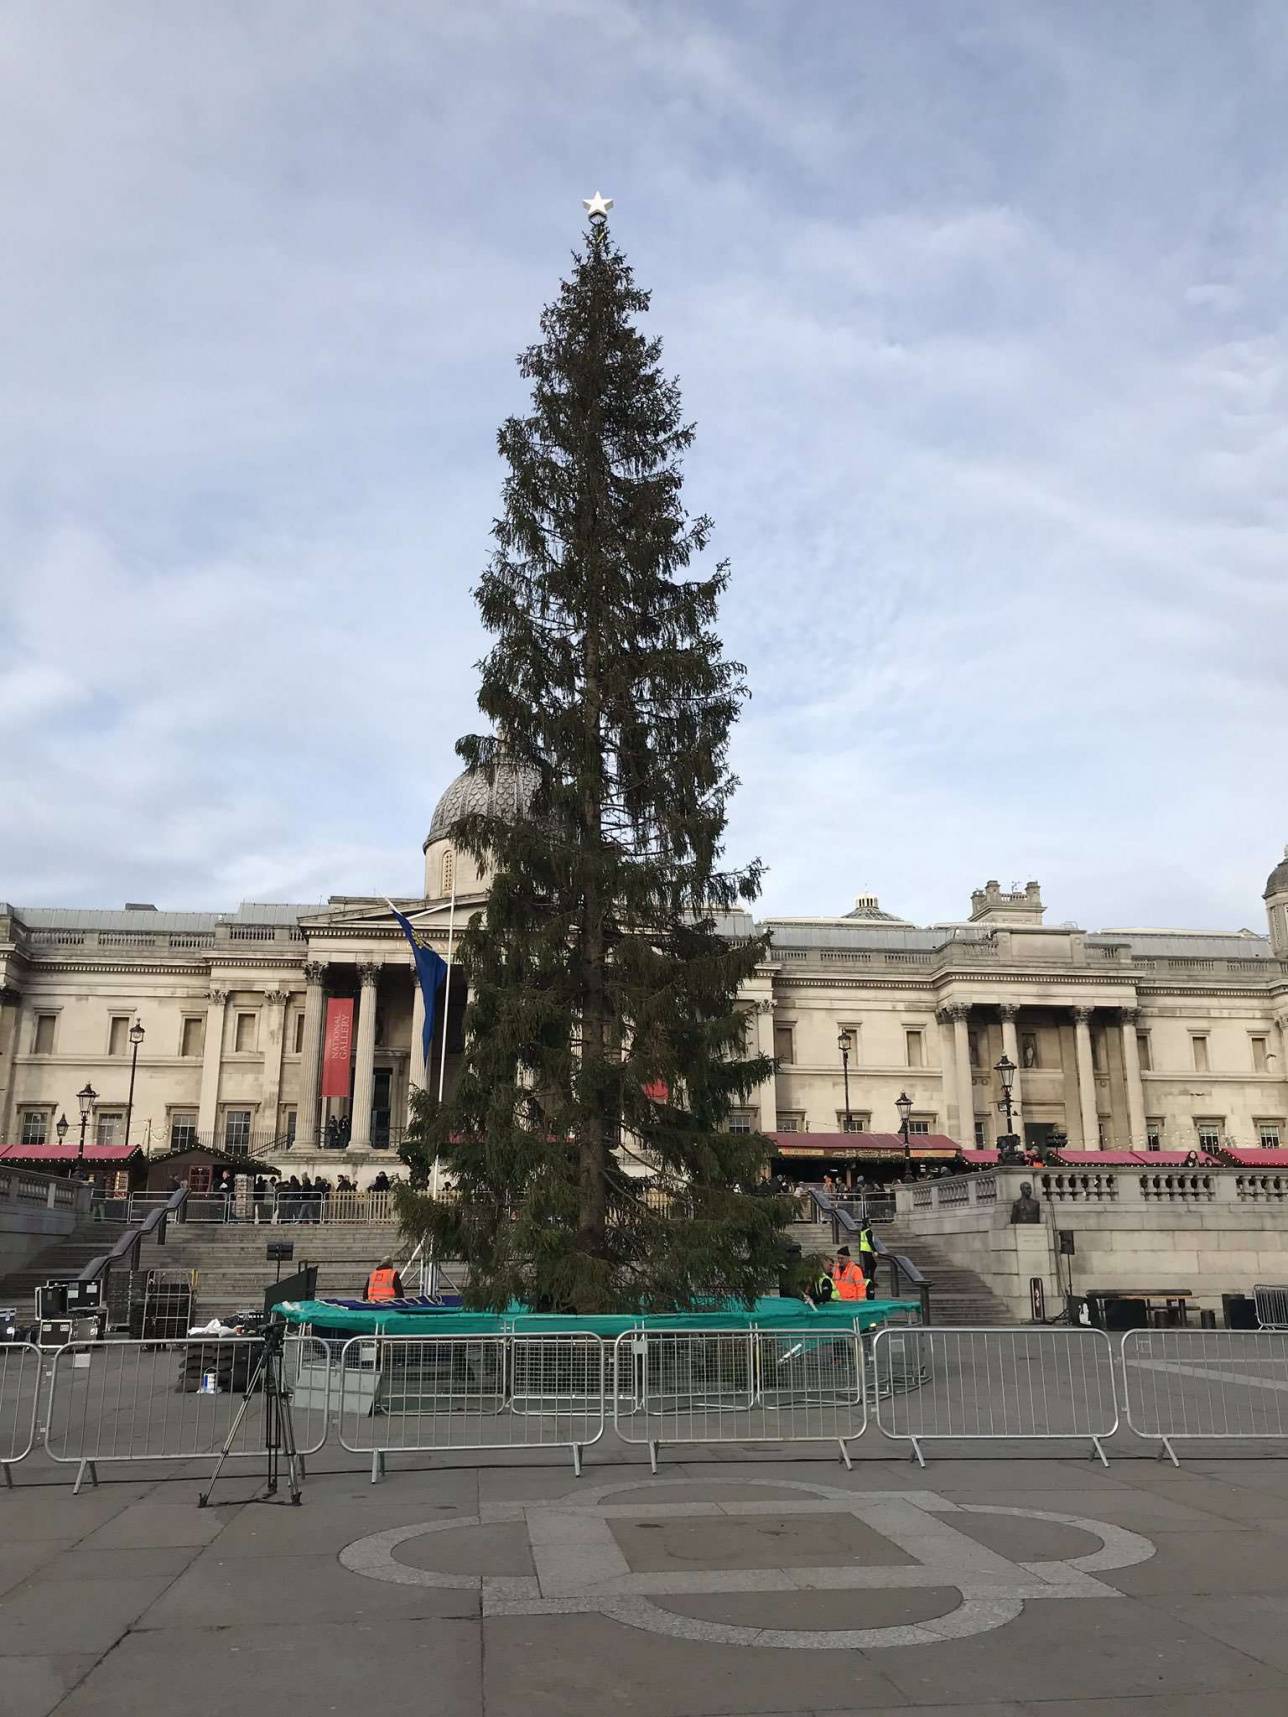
x=431, y=970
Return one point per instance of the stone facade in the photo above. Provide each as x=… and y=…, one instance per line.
x=1120, y=1037
x=1213, y=1232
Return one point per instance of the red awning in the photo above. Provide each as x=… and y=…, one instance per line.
x=68, y=1153
x=973, y=1155
x=883, y=1145
x=1133, y=1159
x=1259, y=1157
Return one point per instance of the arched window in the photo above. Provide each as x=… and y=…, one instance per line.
x=449, y=871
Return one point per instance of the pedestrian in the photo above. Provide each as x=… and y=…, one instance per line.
x=822, y=1290
x=260, y=1191
x=868, y=1256
x=288, y=1200
x=848, y=1280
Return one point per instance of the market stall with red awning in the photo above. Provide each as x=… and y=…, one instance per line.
x=865, y=1147
x=1257, y=1156
x=116, y=1168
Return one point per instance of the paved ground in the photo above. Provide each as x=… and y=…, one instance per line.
x=979, y=1588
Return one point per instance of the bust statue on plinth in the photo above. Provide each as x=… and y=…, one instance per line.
x=1026, y=1208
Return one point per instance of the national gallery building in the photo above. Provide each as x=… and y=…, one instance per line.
x=1123, y=1039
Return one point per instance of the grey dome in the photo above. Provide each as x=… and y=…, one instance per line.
x=509, y=795
x=868, y=908
x=1277, y=882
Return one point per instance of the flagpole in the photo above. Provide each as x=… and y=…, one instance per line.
x=447, y=1008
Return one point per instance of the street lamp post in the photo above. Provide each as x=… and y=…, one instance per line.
x=61, y=1128
x=1005, y=1071
x=86, y=1097
x=903, y=1103
x=843, y=1044
x=136, y=1038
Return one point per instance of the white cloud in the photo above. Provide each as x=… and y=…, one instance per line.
x=979, y=311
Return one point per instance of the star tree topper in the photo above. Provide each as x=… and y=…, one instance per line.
x=597, y=207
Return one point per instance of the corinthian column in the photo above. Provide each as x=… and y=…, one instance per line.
x=1135, y=1093
x=965, y=1085
x=1011, y=1049
x=364, y=1071
x=948, y=1072
x=306, y=1119
x=1086, y=1079
x=271, y=1090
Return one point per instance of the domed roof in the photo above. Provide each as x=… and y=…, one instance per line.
x=509, y=795
x=868, y=907
x=1277, y=882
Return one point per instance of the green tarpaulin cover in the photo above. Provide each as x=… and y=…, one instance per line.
x=769, y=1313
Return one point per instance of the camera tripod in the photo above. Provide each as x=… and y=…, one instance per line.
x=279, y=1427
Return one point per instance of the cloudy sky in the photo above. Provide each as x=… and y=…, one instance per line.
x=979, y=309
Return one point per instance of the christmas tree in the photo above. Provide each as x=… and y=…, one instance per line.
x=603, y=1031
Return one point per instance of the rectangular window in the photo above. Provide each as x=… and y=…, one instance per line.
x=244, y=1037
x=858, y=1123
x=914, y=1048
x=42, y=1042
x=920, y=1124
x=784, y=1049
x=1102, y=1131
x=1029, y=1056
x=1199, y=1046
x=1269, y=1134
x=288, y=1126
x=183, y=1129
x=1211, y=1130
x=742, y=1120
x=118, y=1040
x=790, y=1123
x=109, y=1127
x=1097, y=1051
x=1143, y=1052
x=972, y=1047
x=297, y=1034
x=1153, y=1132
x=981, y=1135
x=237, y=1131
x=192, y=1038
x=33, y=1127
x=1260, y=1055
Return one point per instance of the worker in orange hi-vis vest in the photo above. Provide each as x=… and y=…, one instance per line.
x=384, y=1282
x=848, y=1279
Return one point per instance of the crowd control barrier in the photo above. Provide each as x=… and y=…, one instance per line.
x=1210, y=1385
x=19, y=1398
x=398, y=1394
x=175, y=1400
x=1271, y=1301
x=738, y=1386
x=995, y=1384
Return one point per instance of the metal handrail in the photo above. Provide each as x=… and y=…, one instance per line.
x=129, y=1244
x=902, y=1268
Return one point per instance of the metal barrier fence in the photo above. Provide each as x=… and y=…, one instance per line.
x=19, y=1398
x=1271, y=1301
x=995, y=1384
x=738, y=1386
x=1205, y=1384
x=174, y=1400
x=398, y=1393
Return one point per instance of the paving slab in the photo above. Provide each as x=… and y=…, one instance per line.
x=17, y=1561
x=31, y=1512
x=152, y=1525
x=241, y=1591
x=1195, y=1563
x=1089, y=1650
x=555, y=1666
x=366, y=1666
x=33, y=1686
x=47, y=1615
x=81, y=1562
x=1252, y=1624
x=1122, y=1504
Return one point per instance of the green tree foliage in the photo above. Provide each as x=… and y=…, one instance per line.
x=602, y=1021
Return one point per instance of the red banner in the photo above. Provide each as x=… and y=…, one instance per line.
x=337, y=1043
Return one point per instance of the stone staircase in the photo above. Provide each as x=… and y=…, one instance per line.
x=232, y=1269
x=61, y=1259
x=957, y=1295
